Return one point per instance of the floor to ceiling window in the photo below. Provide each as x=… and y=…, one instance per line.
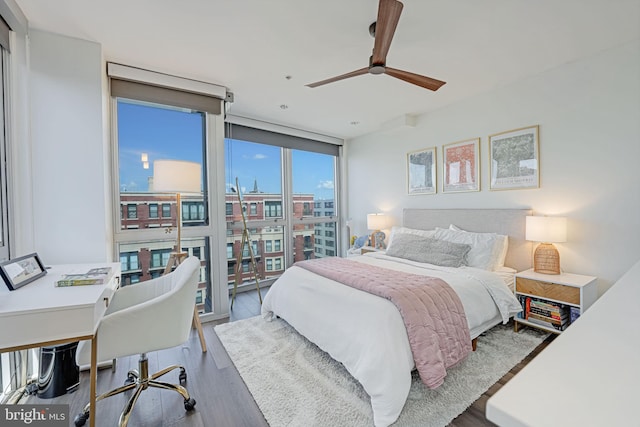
x=287, y=188
x=148, y=133
x=163, y=145
x=315, y=174
x=16, y=368
x=4, y=208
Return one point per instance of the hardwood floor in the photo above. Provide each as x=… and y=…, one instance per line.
x=222, y=398
x=474, y=415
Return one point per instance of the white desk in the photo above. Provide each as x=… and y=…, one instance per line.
x=588, y=376
x=41, y=314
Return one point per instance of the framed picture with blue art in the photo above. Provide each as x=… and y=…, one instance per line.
x=514, y=160
x=421, y=171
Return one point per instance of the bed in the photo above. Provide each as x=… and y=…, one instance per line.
x=367, y=334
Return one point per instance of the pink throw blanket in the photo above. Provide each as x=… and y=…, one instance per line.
x=432, y=312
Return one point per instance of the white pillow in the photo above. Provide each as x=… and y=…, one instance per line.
x=400, y=230
x=502, y=246
x=499, y=250
x=482, y=246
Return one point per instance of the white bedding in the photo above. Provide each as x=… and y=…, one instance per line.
x=366, y=333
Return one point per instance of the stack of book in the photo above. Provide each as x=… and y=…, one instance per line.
x=546, y=313
x=95, y=276
x=575, y=313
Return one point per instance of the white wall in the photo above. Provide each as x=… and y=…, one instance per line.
x=589, y=117
x=69, y=162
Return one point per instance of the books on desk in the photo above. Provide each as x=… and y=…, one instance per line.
x=95, y=276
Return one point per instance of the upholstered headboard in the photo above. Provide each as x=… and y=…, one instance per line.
x=502, y=221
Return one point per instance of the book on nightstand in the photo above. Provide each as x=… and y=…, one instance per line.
x=95, y=276
x=574, y=313
x=544, y=312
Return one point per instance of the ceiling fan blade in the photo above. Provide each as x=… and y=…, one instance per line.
x=416, y=79
x=341, y=77
x=388, y=16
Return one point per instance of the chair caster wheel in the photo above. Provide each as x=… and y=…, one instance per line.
x=183, y=376
x=189, y=404
x=80, y=419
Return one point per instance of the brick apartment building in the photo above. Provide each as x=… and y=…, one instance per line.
x=145, y=260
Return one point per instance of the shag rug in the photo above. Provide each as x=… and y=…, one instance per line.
x=296, y=384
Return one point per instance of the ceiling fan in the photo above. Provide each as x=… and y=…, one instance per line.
x=382, y=30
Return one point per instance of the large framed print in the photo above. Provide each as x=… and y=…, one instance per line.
x=514, y=159
x=20, y=271
x=461, y=166
x=421, y=171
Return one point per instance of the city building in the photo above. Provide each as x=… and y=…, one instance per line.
x=145, y=260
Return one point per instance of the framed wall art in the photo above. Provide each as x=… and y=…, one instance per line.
x=461, y=166
x=514, y=159
x=20, y=271
x=421, y=171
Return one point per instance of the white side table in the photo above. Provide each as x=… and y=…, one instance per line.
x=573, y=290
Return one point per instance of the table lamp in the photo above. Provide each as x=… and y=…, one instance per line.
x=377, y=222
x=177, y=176
x=546, y=230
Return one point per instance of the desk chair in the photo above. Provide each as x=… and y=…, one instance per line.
x=144, y=317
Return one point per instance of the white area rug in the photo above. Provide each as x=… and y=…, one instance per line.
x=296, y=384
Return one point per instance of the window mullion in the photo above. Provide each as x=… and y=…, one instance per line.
x=287, y=203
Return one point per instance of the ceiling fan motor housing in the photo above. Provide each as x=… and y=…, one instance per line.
x=376, y=68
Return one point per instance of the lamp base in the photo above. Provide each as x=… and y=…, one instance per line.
x=377, y=240
x=546, y=259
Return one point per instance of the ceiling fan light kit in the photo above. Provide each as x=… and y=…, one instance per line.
x=383, y=30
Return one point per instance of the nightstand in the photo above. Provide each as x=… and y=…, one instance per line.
x=552, y=302
x=366, y=249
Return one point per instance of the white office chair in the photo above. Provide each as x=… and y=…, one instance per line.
x=144, y=317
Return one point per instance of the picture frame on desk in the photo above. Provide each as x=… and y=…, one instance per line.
x=20, y=271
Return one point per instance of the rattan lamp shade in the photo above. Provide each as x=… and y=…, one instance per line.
x=546, y=230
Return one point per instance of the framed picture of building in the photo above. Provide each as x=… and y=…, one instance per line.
x=461, y=166
x=514, y=159
x=421, y=171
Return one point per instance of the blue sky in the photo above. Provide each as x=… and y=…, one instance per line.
x=173, y=134
x=161, y=133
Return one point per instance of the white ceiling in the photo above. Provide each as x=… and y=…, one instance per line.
x=250, y=46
